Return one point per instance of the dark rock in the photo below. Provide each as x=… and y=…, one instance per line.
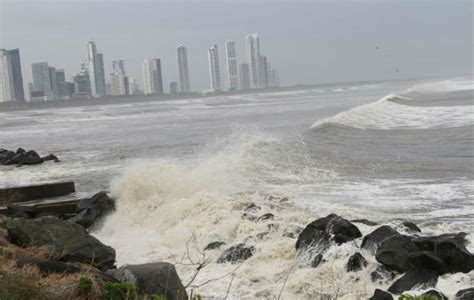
x=46, y=266
x=152, y=279
x=30, y=158
x=365, y=222
x=342, y=231
x=422, y=260
x=67, y=241
x=252, y=207
x=51, y=157
x=411, y=226
x=268, y=216
x=373, y=240
x=395, y=252
x=316, y=261
x=435, y=295
x=381, y=274
x=356, y=263
x=5, y=155
x=214, y=245
x=236, y=253
x=450, y=249
x=411, y=279
x=20, y=151
x=381, y=295
x=91, y=210
x=16, y=211
x=466, y=294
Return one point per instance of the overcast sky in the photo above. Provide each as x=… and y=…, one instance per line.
x=307, y=41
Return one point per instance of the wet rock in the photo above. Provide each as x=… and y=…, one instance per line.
x=381, y=295
x=373, y=240
x=356, y=263
x=47, y=267
x=466, y=294
x=365, y=222
x=252, y=207
x=424, y=260
x=214, y=245
x=411, y=226
x=381, y=275
x=435, y=295
x=22, y=157
x=268, y=216
x=395, y=252
x=316, y=261
x=236, y=253
x=67, y=241
x=152, y=279
x=450, y=252
x=51, y=157
x=91, y=210
x=411, y=279
x=16, y=211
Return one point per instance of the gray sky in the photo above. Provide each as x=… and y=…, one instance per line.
x=307, y=41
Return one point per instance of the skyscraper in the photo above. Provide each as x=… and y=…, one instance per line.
x=95, y=67
x=264, y=71
x=173, y=87
x=118, y=79
x=152, y=77
x=42, y=79
x=252, y=43
x=11, y=79
x=231, y=65
x=214, y=72
x=82, y=83
x=244, y=76
x=183, y=69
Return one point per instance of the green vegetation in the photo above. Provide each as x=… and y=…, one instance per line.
x=85, y=286
x=120, y=291
x=410, y=297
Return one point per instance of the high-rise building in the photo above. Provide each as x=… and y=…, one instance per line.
x=95, y=68
x=264, y=71
x=118, y=79
x=244, y=72
x=152, y=77
x=43, y=80
x=231, y=65
x=82, y=83
x=252, y=43
x=132, y=86
x=183, y=69
x=173, y=87
x=214, y=72
x=11, y=78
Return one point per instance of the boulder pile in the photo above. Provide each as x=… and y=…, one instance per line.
x=21, y=157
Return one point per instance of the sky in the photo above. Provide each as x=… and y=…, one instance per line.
x=307, y=41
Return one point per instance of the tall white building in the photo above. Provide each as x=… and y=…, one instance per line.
x=95, y=67
x=183, y=69
x=152, y=77
x=214, y=72
x=6, y=79
x=118, y=79
x=252, y=44
x=231, y=65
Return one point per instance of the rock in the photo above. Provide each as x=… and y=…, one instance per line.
x=30, y=158
x=46, y=266
x=236, y=253
x=466, y=294
x=323, y=230
x=395, y=252
x=268, y=216
x=5, y=155
x=248, y=216
x=365, y=222
x=424, y=260
x=252, y=207
x=91, y=210
x=373, y=240
x=214, y=245
x=316, y=261
x=435, y=295
x=16, y=211
x=450, y=249
x=68, y=241
x=381, y=295
x=411, y=226
x=356, y=263
x=381, y=275
x=412, y=279
x=158, y=278
x=51, y=157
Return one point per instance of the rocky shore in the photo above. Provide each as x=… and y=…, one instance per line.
x=21, y=157
x=54, y=256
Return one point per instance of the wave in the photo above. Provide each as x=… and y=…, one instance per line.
x=409, y=110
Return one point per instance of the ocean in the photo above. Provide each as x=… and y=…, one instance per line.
x=183, y=172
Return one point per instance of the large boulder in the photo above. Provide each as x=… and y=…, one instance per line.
x=410, y=226
x=236, y=253
x=434, y=295
x=395, y=252
x=381, y=295
x=373, y=240
x=67, y=241
x=46, y=266
x=449, y=253
x=411, y=279
x=466, y=294
x=91, y=210
x=158, y=278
